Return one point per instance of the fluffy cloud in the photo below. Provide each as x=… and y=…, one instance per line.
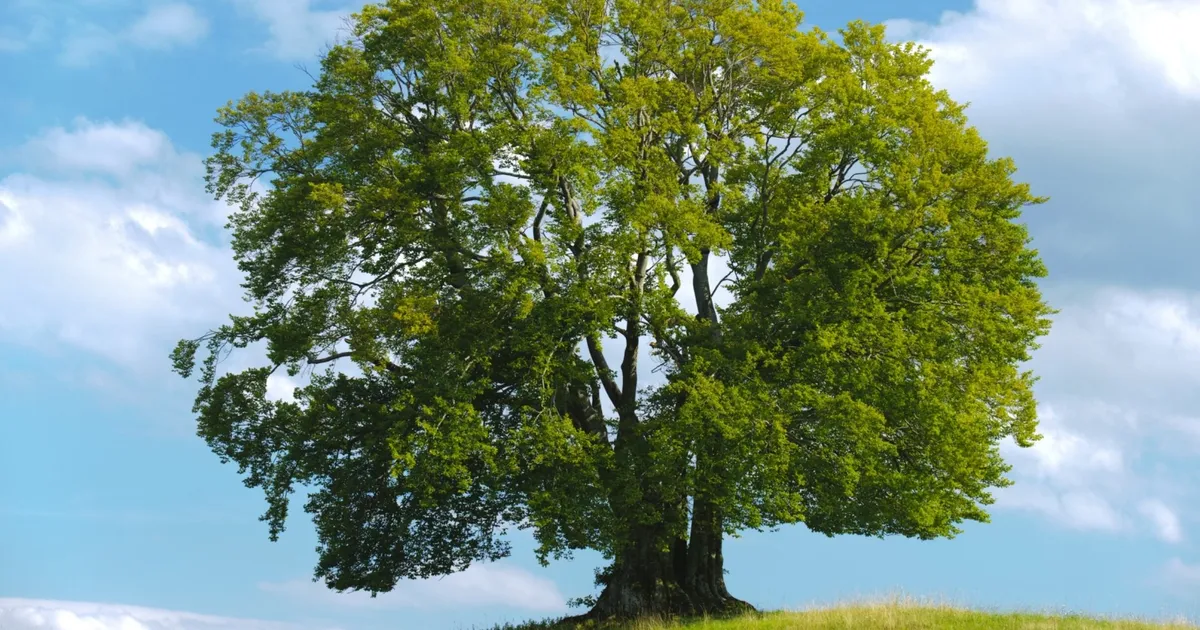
x=1077, y=509
x=297, y=29
x=1180, y=578
x=167, y=25
x=1114, y=450
x=1063, y=476
x=281, y=387
x=161, y=26
x=1164, y=519
x=1182, y=573
x=88, y=31
x=1098, y=103
x=21, y=38
x=1068, y=457
x=104, y=148
x=103, y=240
x=32, y=614
x=479, y=585
x=1089, y=44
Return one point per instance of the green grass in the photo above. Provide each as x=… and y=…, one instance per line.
x=895, y=614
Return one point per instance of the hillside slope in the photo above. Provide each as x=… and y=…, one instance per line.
x=895, y=616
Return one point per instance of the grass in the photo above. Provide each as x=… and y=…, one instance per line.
x=894, y=614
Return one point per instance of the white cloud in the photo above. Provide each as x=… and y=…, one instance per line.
x=167, y=25
x=480, y=585
x=1082, y=46
x=33, y=614
x=113, y=264
x=105, y=148
x=1183, y=573
x=281, y=387
x=87, y=44
x=13, y=227
x=162, y=26
x=297, y=29
x=1163, y=518
x=11, y=43
x=1065, y=456
x=18, y=36
x=1098, y=102
x=1187, y=427
x=1064, y=476
x=1179, y=578
x=1075, y=509
x=1113, y=371
x=1138, y=352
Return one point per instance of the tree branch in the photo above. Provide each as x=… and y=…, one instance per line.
x=384, y=363
x=673, y=270
x=332, y=357
x=603, y=371
x=633, y=333
x=719, y=283
x=537, y=221
x=840, y=171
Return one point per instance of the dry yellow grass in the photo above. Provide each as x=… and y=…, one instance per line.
x=897, y=614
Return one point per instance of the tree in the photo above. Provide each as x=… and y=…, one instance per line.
x=477, y=197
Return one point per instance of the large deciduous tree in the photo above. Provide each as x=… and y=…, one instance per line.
x=497, y=214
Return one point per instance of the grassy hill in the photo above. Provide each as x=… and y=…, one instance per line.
x=895, y=615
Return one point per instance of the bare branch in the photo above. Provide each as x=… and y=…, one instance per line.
x=719, y=283
x=633, y=332
x=603, y=371
x=357, y=285
x=763, y=263
x=332, y=357
x=537, y=221
x=673, y=270
x=840, y=172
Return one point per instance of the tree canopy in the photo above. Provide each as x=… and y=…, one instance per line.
x=479, y=203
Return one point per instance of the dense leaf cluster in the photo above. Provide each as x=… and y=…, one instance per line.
x=501, y=212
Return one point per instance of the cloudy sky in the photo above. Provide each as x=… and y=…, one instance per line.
x=114, y=516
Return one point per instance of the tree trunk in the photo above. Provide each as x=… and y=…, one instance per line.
x=704, y=579
x=641, y=583
x=683, y=579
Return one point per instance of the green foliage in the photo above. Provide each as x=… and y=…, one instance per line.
x=475, y=196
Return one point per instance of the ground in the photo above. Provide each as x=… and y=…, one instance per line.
x=894, y=615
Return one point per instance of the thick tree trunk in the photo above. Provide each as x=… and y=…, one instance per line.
x=704, y=579
x=684, y=579
x=642, y=582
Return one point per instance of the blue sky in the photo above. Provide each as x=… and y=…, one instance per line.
x=112, y=512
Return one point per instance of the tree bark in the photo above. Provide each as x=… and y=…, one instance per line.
x=705, y=577
x=684, y=578
x=641, y=583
